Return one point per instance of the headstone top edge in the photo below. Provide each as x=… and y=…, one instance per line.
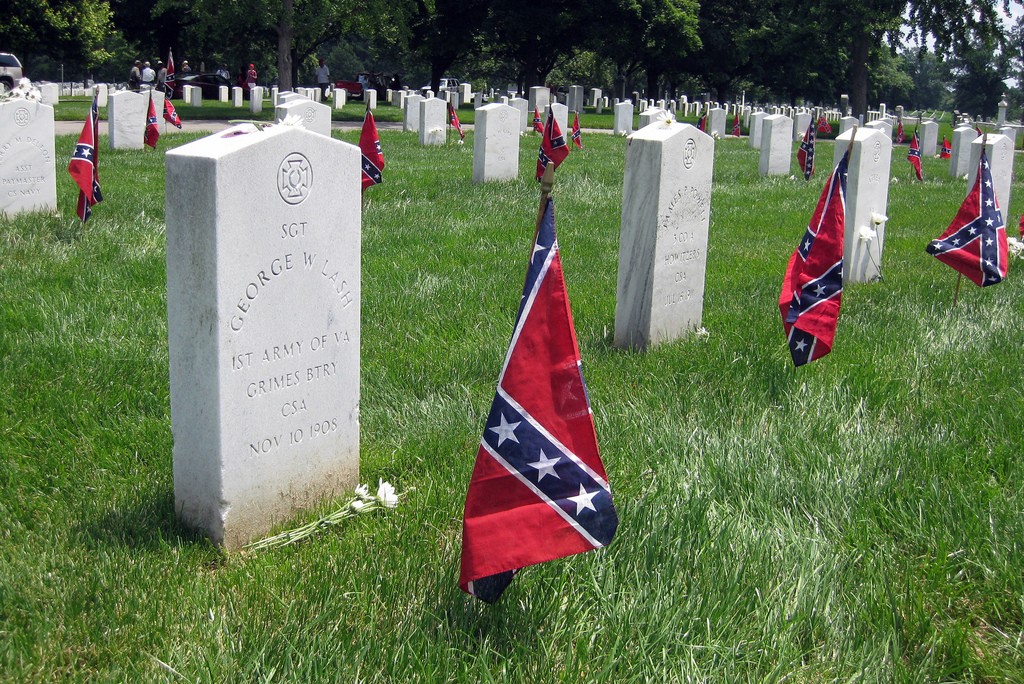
x=665, y=129
x=242, y=136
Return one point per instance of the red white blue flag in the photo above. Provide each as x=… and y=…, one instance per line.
x=152, y=133
x=736, y=125
x=947, y=150
x=914, y=155
x=576, y=137
x=169, y=81
x=899, y=132
x=170, y=113
x=539, y=490
x=702, y=123
x=84, y=165
x=373, y=156
x=975, y=242
x=812, y=289
x=538, y=124
x=805, y=155
x=453, y=119
x=553, y=148
x=823, y=125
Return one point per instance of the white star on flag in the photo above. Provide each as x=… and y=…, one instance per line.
x=506, y=430
x=545, y=466
x=584, y=500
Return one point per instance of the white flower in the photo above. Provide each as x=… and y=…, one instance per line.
x=363, y=491
x=895, y=179
x=386, y=494
x=1016, y=247
x=877, y=218
x=866, y=234
x=359, y=505
x=702, y=333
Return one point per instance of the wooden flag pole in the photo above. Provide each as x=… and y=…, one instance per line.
x=547, y=182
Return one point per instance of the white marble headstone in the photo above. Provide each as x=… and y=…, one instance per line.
x=867, y=200
x=623, y=122
x=237, y=96
x=800, y=123
x=846, y=123
x=50, y=93
x=256, y=99
x=126, y=119
x=433, y=121
x=263, y=316
x=561, y=114
x=776, y=145
x=540, y=98
x=716, y=121
x=101, y=90
x=340, y=97
x=371, y=98
x=496, y=143
x=28, y=179
x=929, y=138
x=881, y=125
x=666, y=209
x=652, y=115
x=960, y=149
x=999, y=150
x=525, y=113
x=756, y=120
x=411, y=120
x=313, y=116
x=223, y=92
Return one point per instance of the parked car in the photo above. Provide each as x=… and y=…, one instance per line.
x=364, y=79
x=208, y=84
x=446, y=83
x=10, y=71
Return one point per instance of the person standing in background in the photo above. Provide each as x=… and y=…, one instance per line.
x=135, y=76
x=161, y=75
x=148, y=76
x=323, y=78
x=250, y=77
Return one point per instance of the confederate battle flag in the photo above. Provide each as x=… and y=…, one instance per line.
x=170, y=113
x=84, y=165
x=553, y=148
x=947, y=151
x=576, y=137
x=812, y=290
x=169, y=82
x=453, y=120
x=152, y=133
x=538, y=125
x=823, y=125
x=975, y=242
x=914, y=155
x=736, y=125
x=805, y=155
x=373, y=156
x=539, y=490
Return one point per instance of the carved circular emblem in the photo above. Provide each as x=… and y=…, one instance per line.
x=295, y=178
x=878, y=150
x=22, y=116
x=310, y=115
x=503, y=116
x=689, y=153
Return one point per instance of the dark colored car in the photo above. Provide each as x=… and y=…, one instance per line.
x=209, y=84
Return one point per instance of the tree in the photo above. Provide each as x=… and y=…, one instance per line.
x=72, y=30
x=444, y=31
x=535, y=39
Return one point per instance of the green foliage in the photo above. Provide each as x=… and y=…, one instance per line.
x=857, y=519
x=74, y=31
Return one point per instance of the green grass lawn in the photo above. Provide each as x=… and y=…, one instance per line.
x=857, y=519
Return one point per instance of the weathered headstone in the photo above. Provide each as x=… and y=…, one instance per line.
x=776, y=145
x=496, y=143
x=960, y=157
x=595, y=97
x=929, y=138
x=28, y=177
x=666, y=202
x=867, y=200
x=263, y=340
x=433, y=120
x=312, y=115
x=50, y=92
x=756, y=119
x=576, y=98
x=196, y=97
x=411, y=120
x=126, y=119
x=623, y=121
x=478, y=100
x=999, y=151
x=101, y=90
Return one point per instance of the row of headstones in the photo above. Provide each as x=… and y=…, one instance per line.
x=284, y=406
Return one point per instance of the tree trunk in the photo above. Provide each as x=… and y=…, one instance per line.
x=652, y=82
x=285, y=31
x=859, y=74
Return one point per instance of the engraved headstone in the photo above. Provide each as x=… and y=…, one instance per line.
x=716, y=121
x=561, y=114
x=263, y=340
x=411, y=120
x=652, y=115
x=496, y=143
x=960, y=149
x=312, y=115
x=867, y=199
x=28, y=180
x=540, y=98
x=776, y=145
x=999, y=150
x=433, y=119
x=256, y=99
x=666, y=203
x=126, y=119
x=623, y=122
